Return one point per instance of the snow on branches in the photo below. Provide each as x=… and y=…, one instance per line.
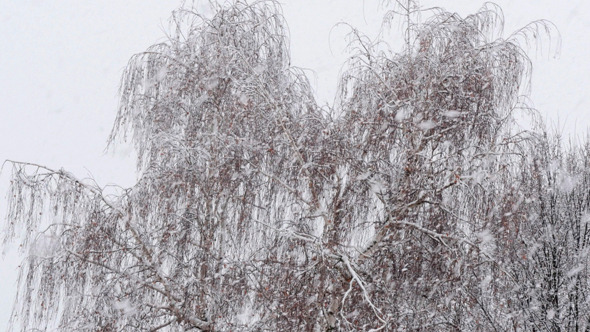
x=414, y=204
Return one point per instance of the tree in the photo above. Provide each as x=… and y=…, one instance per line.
x=399, y=209
x=550, y=247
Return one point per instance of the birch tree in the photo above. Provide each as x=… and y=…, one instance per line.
x=397, y=209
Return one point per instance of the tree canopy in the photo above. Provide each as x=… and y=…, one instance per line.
x=414, y=203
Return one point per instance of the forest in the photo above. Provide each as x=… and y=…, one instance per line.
x=415, y=202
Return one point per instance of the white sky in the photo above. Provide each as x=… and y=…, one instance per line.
x=60, y=64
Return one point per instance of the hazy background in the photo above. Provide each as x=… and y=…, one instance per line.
x=61, y=60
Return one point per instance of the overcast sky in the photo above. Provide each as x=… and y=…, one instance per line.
x=61, y=60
